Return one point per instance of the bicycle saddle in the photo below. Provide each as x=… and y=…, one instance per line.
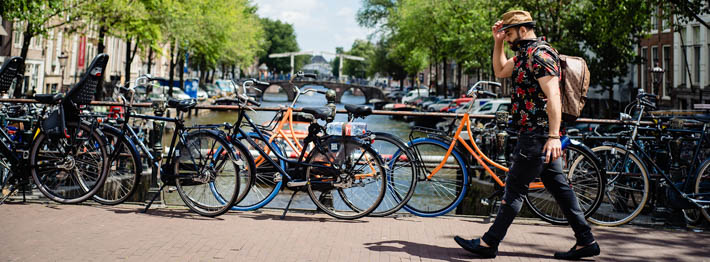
x=49, y=98
x=321, y=112
x=182, y=105
x=358, y=110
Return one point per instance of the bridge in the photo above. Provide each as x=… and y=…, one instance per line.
x=370, y=92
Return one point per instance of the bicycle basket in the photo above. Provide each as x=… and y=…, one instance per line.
x=52, y=125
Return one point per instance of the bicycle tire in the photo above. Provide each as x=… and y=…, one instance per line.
x=77, y=186
x=262, y=177
x=426, y=190
x=586, y=178
x=124, y=167
x=401, y=173
x=625, y=196
x=199, y=170
x=342, y=177
x=702, y=186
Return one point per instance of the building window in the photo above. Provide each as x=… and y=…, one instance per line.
x=683, y=66
x=654, y=19
x=644, y=67
x=666, y=67
x=17, y=33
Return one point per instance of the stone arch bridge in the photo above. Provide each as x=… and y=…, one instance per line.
x=370, y=92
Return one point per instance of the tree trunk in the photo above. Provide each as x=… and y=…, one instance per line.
x=150, y=59
x=172, y=68
x=181, y=63
x=458, y=81
x=23, y=53
x=127, y=66
x=233, y=76
x=446, y=83
x=102, y=35
x=436, y=81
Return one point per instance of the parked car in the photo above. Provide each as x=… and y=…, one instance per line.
x=212, y=90
x=415, y=94
x=436, y=107
x=430, y=101
x=201, y=95
x=457, y=103
x=493, y=106
x=395, y=95
x=177, y=93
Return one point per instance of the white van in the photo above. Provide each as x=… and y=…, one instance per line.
x=415, y=94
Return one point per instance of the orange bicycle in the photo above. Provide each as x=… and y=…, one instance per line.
x=444, y=170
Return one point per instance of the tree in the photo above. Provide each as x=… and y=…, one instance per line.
x=37, y=17
x=363, y=49
x=279, y=37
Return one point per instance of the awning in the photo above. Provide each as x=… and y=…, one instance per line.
x=2, y=31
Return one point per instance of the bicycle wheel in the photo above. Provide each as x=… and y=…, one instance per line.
x=346, y=179
x=401, y=173
x=69, y=170
x=265, y=182
x=207, y=173
x=702, y=187
x=445, y=190
x=584, y=175
x=124, y=169
x=627, y=187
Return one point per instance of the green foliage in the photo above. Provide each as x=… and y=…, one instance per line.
x=279, y=37
x=605, y=32
x=363, y=49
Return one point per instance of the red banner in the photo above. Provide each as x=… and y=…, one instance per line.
x=82, y=52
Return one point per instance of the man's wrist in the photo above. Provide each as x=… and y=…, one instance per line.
x=553, y=136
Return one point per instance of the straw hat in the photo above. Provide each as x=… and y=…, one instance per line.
x=516, y=18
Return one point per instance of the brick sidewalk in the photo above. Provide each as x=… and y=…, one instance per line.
x=51, y=232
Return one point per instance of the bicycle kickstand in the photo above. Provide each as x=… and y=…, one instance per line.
x=153, y=199
x=283, y=216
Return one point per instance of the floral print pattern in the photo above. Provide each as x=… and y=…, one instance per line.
x=533, y=60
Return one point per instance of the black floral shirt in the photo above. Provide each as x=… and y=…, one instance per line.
x=528, y=100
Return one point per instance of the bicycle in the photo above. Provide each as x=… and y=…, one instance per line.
x=448, y=182
x=67, y=156
x=199, y=160
x=343, y=175
x=628, y=186
x=282, y=134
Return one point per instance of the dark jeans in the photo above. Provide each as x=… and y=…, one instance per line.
x=528, y=164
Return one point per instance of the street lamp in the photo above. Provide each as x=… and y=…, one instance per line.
x=657, y=73
x=62, y=63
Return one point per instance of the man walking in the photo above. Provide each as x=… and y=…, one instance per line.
x=537, y=113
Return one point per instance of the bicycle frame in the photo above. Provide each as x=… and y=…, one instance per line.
x=473, y=148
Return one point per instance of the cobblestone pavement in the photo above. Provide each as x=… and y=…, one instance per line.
x=51, y=232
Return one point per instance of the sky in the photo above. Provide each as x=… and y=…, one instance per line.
x=320, y=25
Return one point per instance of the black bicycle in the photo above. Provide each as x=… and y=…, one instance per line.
x=631, y=167
x=343, y=175
x=200, y=161
x=66, y=157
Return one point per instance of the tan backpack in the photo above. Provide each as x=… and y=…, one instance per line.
x=574, y=84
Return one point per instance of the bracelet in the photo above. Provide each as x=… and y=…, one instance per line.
x=553, y=137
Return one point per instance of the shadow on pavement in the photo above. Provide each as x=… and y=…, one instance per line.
x=167, y=213
x=298, y=217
